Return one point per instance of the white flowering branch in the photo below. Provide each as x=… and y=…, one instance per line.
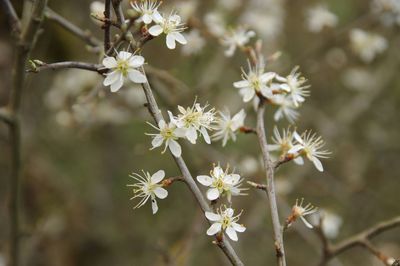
x=269, y=171
x=188, y=179
x=361, y=239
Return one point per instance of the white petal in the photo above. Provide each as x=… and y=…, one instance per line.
x=248, y=94
x=124, y=55
x=118, y=84
x=229, y=212
x=191, y=135
x=238, y=227
x=136, y=61
x=180, y=38
x=241, y=84
x=213, y=216
x=212, y=194
x=214, y=228
x=157, y=17
x=175, y=148
x=317, y=163
x=205, y=180
x=299, y=160
x=154, y=205
x=147, y=19
x=157, y=176
x=161, y=192
x=156, y=30
x=231, y=233
x=157, y=141
x=136, y=76
x=267, y=77
x=306, y=222
x=297, y=137
x=295, y=149
x=111, y=78
x=110, y=62
x=171, y=41
x=205, y=135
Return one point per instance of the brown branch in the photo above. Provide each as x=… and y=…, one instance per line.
x=107, y=25
x=157, y=115
x=247, y=130
x=38, y=66
x=269, y=172
x=360, y=239
x=84, y=35
x=12, y=17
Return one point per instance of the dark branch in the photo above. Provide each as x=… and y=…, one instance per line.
x=107, y=24
x=38, y=66
x=11, y=16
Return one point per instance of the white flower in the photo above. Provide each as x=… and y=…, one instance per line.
x=169, y=133
x=293, y=84
x=193, y=120
x=319, y=17
x=170, y=26
x=331, y=224
x=147, y=9
x=283, y=143
x=300, y=211
x=286, y=108
x=195, y=43
x=367, y=45
x=234, y=38
x=309, y=145
x=122, y=66
x=148, y=187
x=221, y=183
x=224, y=220
x=226, y=126
x=215, y=23
x=255, y=81
x=388, y=11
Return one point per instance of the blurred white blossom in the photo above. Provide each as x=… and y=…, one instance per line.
x=236, y=38
x=286, y=108
x=366, y=44
x=319, y=17
x=387, y=10
x=227, y=126
x=331, y=223
x=224, y=221
x=221, y=183
x=124, y=65
x=215, y=23
x=148, y=187
x=171, y=26
x=195, y=43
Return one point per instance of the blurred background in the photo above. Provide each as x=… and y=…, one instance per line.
x=80, y=142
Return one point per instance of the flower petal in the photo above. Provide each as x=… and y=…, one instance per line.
x=241, y=84
x=118, y=84
x=109, y=62
x=180, y=38
x=231, y=233
x=213, y=216
x=171, y=41
x=136, y=61
x=154, y=205
x=155, y=30
x=317, y=163
x=157, y=176
x=124, y=55
x=212, y=194
x=161, y=192
x=306, y=222
x=238, y=227
x=175, y=148
x=205, y=180
x=136, y=76
x=214, y=228
x=157, y=141
x=111, y=78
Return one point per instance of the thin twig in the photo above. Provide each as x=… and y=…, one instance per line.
x=118, y=11
x=11, y=16
x=157, y=115
x=269, y=172
x=360, y=239
x=84, y=35
x=40, y=66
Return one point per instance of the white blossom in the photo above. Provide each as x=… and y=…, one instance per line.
x=195, y=119
x=227, y=126
x=388, y=11
x=300, y=211
x=331, y=223
x=293, y=85
x=124, y=65
x=286, y=108
x=256, y=81
x=171, y=27
x=168, y=133
x=224, y=221
x=221, y=183
x=97, y=11
x=309, y=145
x=147, y=10
x=367, y=45
x=195, y=43
x=235, y=38
x=215, y=23
x=319, y=17
x=148, y=187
